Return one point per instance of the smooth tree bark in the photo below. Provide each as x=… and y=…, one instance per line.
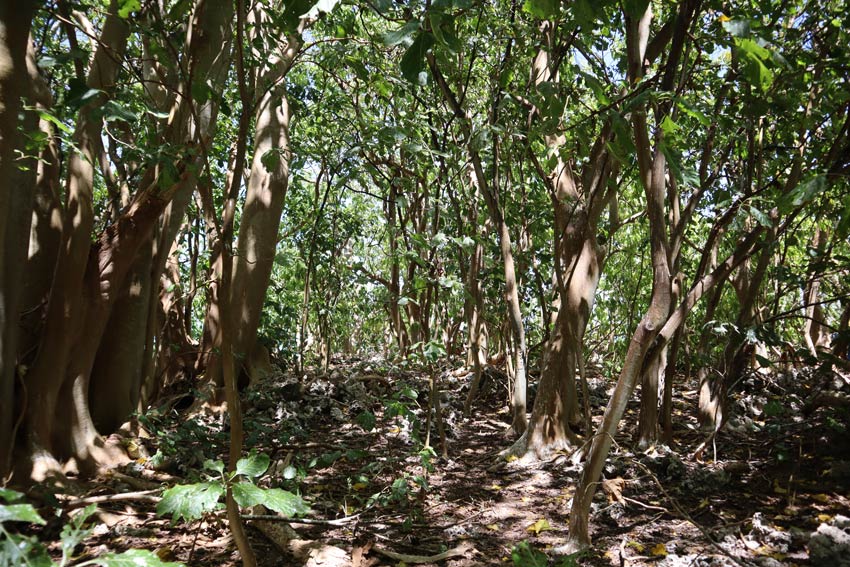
x=652, y=166
x=16, y=90
x=579, y=198
x=90, y=276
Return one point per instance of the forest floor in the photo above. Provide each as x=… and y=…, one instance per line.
x=348, y=442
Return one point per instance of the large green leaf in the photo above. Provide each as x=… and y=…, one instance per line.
x=247, y=494
x=253, y=465
x=403, y=35
x=132, y=558
x=20, y=513
x=413, y=61
x=127, y=6
x=753, y=62
x=285, y=503
x=10, y=495
x=190, y=501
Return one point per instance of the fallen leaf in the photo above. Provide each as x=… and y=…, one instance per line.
x=511, y=458
x=493, y=527
x=658, y=550
x=823, y=518
x=778, y=489
x=822, y=498
x=495, y=487
x=540, y=525
x=613, y=487
x=359, y=485
x=636, y=546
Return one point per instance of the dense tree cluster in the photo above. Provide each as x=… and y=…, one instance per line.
x=187, y=186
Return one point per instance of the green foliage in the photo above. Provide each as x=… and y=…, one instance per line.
x=525, y=555
x=366, y=420
x=192, y=501
x=27, y=551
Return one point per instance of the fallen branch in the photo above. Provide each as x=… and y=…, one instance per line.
x=306, y=521
x=142, y=496
x=459, y=551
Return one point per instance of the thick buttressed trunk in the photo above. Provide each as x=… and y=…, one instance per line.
x=116, y=377
x=66, y=308
x=16, y=192
x=90, y=276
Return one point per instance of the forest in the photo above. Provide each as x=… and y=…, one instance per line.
x=424, y=282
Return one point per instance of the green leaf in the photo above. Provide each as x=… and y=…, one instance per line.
x=542, y=9
x=127, y=6
x=20, y=513
x=53, y=120
x=215, y=466
x=669, y=127
x=131, y=558
x=281, y=501
x=112, y=110
x=802, y=194
x=293, y=12
x=413, y=61
x=253, y=465
x=248, y=494
x=10, y=495
x=190, y=501
x=753, y=57
x=366, y=420
x=403, y=35
x=285, y=503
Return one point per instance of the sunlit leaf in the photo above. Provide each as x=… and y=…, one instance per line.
x=190, y=501
x=540, y=525
x=253, y=465
x=20, y=513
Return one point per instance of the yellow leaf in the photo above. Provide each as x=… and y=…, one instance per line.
x=540, y=525
x=724, y=18
x=636, y=546
x=359, y=485
x=511, y=458
x=703, y=503
x=493, y=527
x=658, y=550
x=823, y=518
x=778, y=489
x=822, y=498
x=495, y=487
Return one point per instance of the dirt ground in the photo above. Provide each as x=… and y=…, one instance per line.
x=347, y=442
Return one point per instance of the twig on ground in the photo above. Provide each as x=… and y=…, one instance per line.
x=459, y=551
x=143, y=496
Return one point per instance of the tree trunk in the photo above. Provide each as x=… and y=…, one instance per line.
x=265, y=194
x=15, y=202
x=63, y=324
